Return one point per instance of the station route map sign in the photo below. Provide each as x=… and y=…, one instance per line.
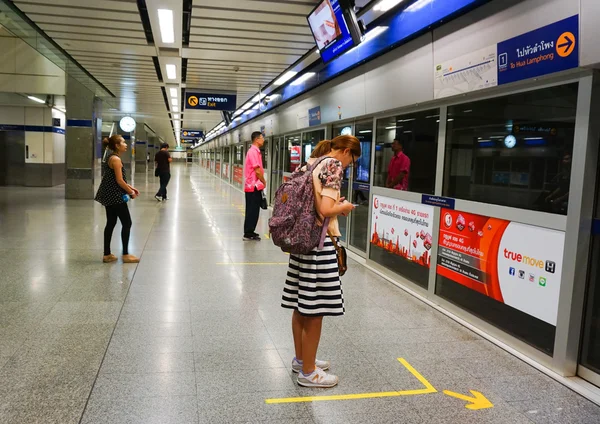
x=515, y=264
x=544, y=51
x=205, y=101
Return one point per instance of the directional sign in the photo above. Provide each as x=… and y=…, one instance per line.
x=546, y=50
x=566, y=44
x=191, y=134
x=209, y=101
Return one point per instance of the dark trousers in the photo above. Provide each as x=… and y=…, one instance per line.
x=120, y=211
x=165, y=177
x=252, y=211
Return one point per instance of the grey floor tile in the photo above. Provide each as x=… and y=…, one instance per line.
x=42, y=410
x=242, y=360
x=147, y=362
x=153, y=329
x=216, y=382
x=65, y=313
x=140, y=343
x=141, y=410
x=559, y=411
x=145, y=385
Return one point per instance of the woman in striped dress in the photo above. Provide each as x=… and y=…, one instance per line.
x=313, y=288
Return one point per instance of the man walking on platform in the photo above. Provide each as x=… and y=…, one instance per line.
x=163, y=164
x=254, y=185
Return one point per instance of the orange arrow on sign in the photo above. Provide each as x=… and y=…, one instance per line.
x=479, y=401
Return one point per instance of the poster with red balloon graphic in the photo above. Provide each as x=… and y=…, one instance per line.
x=402, y=228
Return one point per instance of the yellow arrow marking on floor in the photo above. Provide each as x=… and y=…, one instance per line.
x=428, y=389
x=267, y=236
x=479, y=401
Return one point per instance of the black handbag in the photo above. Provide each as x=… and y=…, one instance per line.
x=263, y=201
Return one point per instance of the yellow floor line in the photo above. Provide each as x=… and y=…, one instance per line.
x=427, y=390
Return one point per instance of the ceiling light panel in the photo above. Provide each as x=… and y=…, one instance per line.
x=171, y=71
x=165, y=22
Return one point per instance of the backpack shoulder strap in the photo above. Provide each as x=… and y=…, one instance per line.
x=314, y=165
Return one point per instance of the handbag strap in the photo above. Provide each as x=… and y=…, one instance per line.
x=324, y=232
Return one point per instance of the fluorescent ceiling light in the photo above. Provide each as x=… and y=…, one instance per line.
x=175, y=109
x=258, y=97
x=393, y=128
x=468, y=111
x=171, y=71
x=175, y=102
x=239, y=118
x=534, y=138
x=407, y=120
x=237, y=112
x=484, y=141
x=176, y=116
x=304, y=78
x=248, y=112
x=246, y=106
x=385, y=5
x=165, y=20
x=365, y=132
x=35, y=99
x=285, y=78
x=407, y=132
x=451, y=119
x=173, y=92
x=256, y=106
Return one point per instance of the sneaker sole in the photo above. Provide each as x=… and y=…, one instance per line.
x=317, y=385
x=300, y=369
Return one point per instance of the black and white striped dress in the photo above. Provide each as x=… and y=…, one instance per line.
x=313, y=286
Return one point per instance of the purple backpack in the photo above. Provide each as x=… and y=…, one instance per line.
x=295, y=225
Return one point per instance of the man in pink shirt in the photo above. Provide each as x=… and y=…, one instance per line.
x=253, y=186
x=399, y=168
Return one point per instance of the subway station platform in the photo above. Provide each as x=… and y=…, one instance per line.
x=195, y=333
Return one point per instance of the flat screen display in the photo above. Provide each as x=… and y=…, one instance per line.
x=330, y=29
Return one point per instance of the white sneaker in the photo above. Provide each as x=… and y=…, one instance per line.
x=297, y=366
x=318, y=378
x=158, y=198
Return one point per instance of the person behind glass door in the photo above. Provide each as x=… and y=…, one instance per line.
x=559, y=198
x=399, y=168
x=163, y=163
x=254, y=184
x=111, y=195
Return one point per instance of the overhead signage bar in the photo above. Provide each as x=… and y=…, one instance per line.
x=205, y=101
x=191, y=134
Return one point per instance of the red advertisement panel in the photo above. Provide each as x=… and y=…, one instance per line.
x=516, y=264
x=218, y=168
x=238, y=174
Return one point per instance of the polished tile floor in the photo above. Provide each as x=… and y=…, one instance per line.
x=195, y=334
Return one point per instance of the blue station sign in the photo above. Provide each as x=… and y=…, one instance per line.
x=544, y=51
x=204, y=101
x=314, y=116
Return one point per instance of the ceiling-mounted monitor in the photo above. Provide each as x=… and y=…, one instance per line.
x=335, y=28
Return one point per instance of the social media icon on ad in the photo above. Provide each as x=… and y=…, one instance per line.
x=512, y=271
x=532, y=278
x=542, y=282
x=521, y=274
x=550, y=267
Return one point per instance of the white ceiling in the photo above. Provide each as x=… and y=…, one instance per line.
x=235, y=46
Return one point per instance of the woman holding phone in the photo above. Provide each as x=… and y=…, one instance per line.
x=114, y=193
x=313, y=288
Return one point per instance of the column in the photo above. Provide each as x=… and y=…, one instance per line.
x=80, y=140
x=141, y=148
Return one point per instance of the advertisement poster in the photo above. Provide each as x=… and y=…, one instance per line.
x=238, y=174
x=226, y=170
x=314, y=116
x=295, y=157
x=218, y=168
x=402, y=229
x=516, y=264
